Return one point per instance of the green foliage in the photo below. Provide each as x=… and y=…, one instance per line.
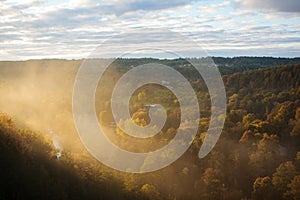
x=283, y=176
x=248, y=119
x=251, y=159
x=266, y=157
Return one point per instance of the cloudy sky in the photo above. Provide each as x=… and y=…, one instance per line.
x=34, y=29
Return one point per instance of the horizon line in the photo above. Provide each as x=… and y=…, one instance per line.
x=155, y=58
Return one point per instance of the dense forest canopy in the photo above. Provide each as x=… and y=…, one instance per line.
x=257, y=156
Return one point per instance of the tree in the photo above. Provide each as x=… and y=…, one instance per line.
x=265, y=159
x=285, y=112
x=263, y=188
x=214, y=186
x=236, y=115
x=141, y=96
x=248, y=119
x=283, y=176
x=294, y=189
x=150, y=191
x=233, y=101
x=296, y=129
x=297, y=161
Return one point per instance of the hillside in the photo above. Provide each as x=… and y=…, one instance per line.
x=31, y=169
x=240, y=64
x=257, y=156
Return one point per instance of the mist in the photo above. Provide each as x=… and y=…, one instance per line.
x=38, y=95
x=263, y=118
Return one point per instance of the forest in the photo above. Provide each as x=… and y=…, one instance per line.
x=257, y=156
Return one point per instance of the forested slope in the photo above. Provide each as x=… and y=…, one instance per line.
x=31, y=169
x=257, y=156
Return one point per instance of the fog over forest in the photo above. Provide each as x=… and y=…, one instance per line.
x=256, y=157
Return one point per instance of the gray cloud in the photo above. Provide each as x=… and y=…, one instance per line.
x=274, y=5
x=119, y=7
x=64, y=31
x=30, y=4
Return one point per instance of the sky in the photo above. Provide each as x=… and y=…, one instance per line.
x=74, y=29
